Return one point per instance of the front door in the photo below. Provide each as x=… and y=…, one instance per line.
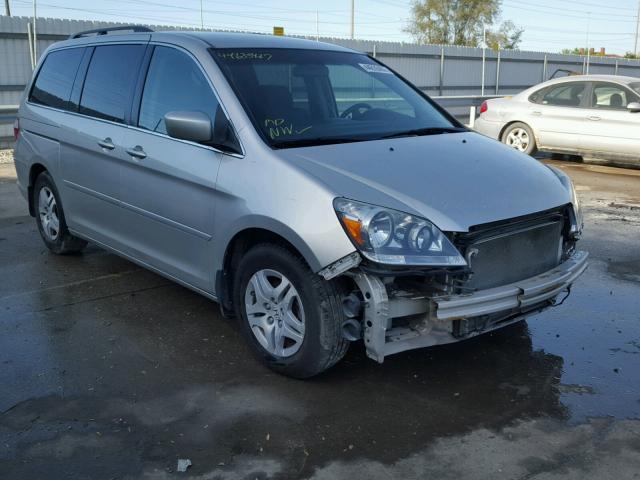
x=169, y=185
x=611, y=131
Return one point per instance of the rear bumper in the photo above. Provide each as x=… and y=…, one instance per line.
x=488, y=128
x=518, y=295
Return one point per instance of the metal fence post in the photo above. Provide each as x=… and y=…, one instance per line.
x=441, y=70
x=498, y=73
x=615, y=72
x=484, y=58
x=544, y=68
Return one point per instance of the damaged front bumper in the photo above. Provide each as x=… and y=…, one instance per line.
x=404, y=322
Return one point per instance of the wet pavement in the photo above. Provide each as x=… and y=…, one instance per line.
x=109, y=371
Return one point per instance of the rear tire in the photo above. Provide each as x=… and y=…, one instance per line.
x=519, y=136
x=50, y=218
x=293, y=323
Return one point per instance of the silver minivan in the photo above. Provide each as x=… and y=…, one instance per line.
x=310, y=190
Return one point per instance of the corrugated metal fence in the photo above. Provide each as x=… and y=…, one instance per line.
x=438, y=70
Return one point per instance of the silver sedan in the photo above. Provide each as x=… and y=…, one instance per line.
x=595, y=116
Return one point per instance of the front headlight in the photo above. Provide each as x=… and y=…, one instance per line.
x=391, y=237
x=577, y=220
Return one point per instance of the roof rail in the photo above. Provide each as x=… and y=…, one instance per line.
x=105, y=30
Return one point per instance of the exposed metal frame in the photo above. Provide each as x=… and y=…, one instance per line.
x=517, y=300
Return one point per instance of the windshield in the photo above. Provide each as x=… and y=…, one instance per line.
x=312, y=97
x=635, y=87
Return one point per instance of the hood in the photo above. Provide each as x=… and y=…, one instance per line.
x=455, y=180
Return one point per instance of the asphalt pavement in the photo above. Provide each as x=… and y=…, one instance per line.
x=109, y=371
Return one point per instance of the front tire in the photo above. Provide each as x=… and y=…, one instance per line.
x=520, y=137
x=50, y=218
x=291, y=317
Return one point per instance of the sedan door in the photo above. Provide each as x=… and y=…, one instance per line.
x=611, y=131
x=169, y=185
x=557, y=116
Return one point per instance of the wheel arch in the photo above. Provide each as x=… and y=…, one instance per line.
x=241, y=242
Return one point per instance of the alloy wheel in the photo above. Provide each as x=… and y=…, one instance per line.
x=275, y=312
x=518, y=138
x=48, y=211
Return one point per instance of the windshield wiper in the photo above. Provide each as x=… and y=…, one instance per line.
x=310, y=142
x=419, y=132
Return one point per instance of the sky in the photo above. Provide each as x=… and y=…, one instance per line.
x=550, y=25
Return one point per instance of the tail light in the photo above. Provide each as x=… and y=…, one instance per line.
x=16, y=129
x=484, y=107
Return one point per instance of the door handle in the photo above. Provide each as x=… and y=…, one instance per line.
x=595, y=118
x=537, y=113
x=136, y=152
x=107, y=143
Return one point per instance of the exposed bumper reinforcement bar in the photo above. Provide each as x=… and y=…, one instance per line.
x=517, y=301
x=520, y=294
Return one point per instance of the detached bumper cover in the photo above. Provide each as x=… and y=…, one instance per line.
x=521, y=294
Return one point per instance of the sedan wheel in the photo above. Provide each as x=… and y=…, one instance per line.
x=520, y=137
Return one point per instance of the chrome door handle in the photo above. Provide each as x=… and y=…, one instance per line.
x=536, y=113
x=595, y=118
x=107, y=143
x=136, y=152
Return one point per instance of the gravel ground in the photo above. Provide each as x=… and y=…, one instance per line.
x=6, y=156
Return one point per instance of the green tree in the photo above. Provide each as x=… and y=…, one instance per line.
x=572, y=51
x=632, y=56
x=461, y=22
x=507, y=37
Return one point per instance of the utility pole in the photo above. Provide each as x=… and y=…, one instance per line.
x=588, y=49
x=317, y=26
x=35, y=38
x=484, y=56
x=201, y=16
x=7, y=9
x=353, y=19
x=637, y=29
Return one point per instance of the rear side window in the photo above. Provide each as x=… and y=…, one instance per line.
x=565, y=95
x=55, y=79
x=174, y=82
x=110, y=81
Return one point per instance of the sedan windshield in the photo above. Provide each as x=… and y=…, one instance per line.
x=313, y=97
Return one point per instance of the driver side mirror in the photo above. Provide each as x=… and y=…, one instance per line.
x=634, y=107
x=192, y=126
x=197, y=127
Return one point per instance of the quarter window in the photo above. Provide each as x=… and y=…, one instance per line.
x=610, y=96
x=55, y=80
x=565, y=95
x=174, y=82
x=110, y=81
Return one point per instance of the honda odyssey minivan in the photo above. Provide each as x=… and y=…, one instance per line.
x=310, y=190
